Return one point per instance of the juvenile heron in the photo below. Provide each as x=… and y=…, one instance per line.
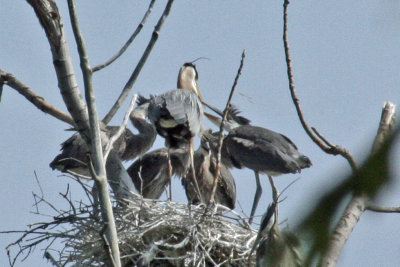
x=205, y=167
x=149, y=173
x=276, y=247
x=257, y=148
x=177, y=114
x=128, y=145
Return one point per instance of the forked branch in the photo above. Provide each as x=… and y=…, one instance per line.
x=315, y=136
x=50, y=19
x=359, y=201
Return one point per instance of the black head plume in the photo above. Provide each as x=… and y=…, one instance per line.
x=142, y=100
x=233, y=113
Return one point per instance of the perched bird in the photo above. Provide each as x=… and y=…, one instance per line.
x=177, y=114
x=149, y=172
x=276, y=247
x=257, y=148
x=205, y=167
x=128, y=146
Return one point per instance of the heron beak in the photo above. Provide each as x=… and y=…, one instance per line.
x=219, y=112
x=229, y=124
x=197, y=91
x=213, y=119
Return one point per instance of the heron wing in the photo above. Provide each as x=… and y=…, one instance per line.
x=149, y=173
x=263, y=150
x=185, y=107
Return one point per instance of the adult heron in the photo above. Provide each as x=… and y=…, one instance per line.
x=177, y=114
x=257, y=148
x=205, y=167
x=128, y=146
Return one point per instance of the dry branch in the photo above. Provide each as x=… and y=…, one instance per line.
x=359, y=200
x=121, y=129
x=382, y=209
x=50, y=19
x=130, y=40
x=221, y=128
x=317, y=138
x=99, y=170
x=139, y=66
x=35, y=99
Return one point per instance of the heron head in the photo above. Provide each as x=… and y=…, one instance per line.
x=204, y=143
x=141, y=111
x=187, y=78
x=233, y=120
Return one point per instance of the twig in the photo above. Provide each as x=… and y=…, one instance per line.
x=130, y=40
x=375, y=208
x=221, y=129
x=317, y=138
x=96, y=147
x=37, y=100
x=121, y=129
x=139, y=66
x=37, y=181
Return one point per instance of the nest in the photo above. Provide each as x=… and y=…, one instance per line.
x=150, y=232
x=164, y=233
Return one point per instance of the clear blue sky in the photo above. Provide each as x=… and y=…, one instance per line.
x=346, y=64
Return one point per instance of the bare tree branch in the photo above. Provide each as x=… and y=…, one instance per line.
x=50, y=19
x=359, y=201
x=385, y=125
x=382, y=209
x=121, y=129
x=47, y=13
x=221, y=128
x=139, y=66
x=128, y=43
x=100, y=176
x=35, y=99
x=118, y=178
x=327, y=147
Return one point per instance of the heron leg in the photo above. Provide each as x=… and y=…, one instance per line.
x=275, y=197
x=169, y=174
x=196, y=185
x=256, y=197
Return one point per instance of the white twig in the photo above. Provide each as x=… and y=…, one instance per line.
x=121, y=128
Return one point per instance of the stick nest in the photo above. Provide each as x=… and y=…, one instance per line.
x=150, y=232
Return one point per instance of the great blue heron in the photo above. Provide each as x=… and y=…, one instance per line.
x=177, y=114
x=205, y=167
x=128, y=146
x=149, y=172
x=259, y=149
